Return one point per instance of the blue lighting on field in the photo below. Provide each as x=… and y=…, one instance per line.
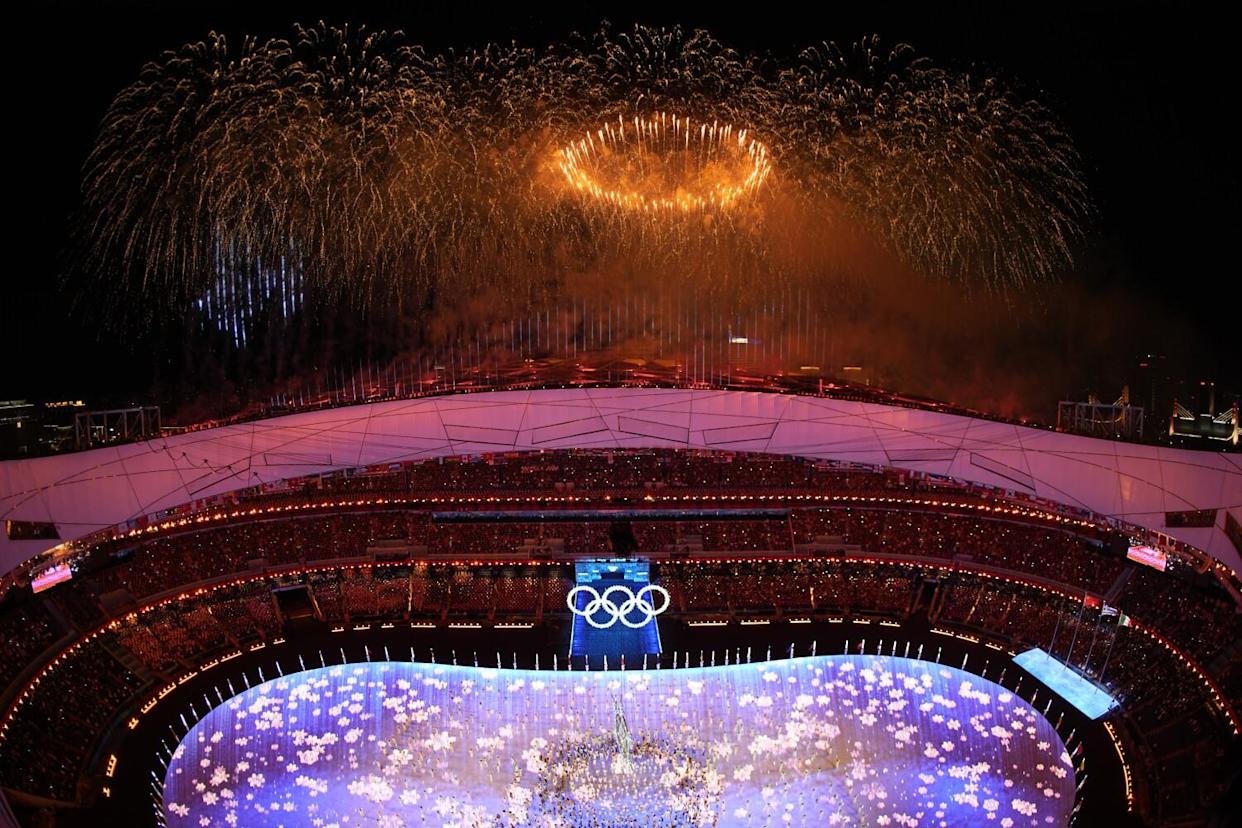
x=807, y=742
x=1090, y=700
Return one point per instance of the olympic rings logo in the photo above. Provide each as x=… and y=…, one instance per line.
x=618, y=610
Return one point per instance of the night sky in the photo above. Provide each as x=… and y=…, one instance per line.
x=1145, y=89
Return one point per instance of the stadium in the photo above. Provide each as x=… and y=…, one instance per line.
x=435, y=541
x=516, y=469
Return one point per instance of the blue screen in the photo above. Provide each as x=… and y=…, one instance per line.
x=638, y=637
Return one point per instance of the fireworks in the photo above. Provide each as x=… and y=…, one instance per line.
x=365, y=170
x=665, y=163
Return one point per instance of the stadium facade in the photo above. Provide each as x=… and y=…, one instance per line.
x=1131, y=484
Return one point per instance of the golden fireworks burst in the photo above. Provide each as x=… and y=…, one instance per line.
x=665, y=163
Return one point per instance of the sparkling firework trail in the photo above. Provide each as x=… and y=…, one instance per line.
x=364, y=170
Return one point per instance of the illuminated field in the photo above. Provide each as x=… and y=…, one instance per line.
x=843, y=740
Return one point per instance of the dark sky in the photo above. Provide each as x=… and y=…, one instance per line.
x=1146, y=90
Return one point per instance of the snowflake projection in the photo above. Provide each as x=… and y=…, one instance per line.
x=832, y=740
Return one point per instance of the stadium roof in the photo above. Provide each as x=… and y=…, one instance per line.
x=92, y=490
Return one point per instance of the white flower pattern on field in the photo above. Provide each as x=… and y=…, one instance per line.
x=833, y=740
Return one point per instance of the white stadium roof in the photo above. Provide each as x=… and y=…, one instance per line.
x=86, y=491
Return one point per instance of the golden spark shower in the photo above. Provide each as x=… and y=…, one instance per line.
x=348, y=166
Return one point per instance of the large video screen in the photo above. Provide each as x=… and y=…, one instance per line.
x=1148, y=556
x=51, y=576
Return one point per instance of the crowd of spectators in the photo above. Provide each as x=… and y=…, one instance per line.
x=1175, y=725
x=491, y=593
x=1067, y=557
x=232, y=614
x=1201, y=619
x=1015, y=611
x=588, y=470
x=1194, y=618
x=45, y=748
x=601, y=472
x=178, y=634
x=788, y=588
x=160, y=636
x=247, y=611
x=148, y=566
x=168, y=562
x=1198, y=619
x=26, y=630
x=810, y=562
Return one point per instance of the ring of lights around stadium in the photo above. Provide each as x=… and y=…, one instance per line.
x=665, y=163
x=619, y=612
x=807, y=741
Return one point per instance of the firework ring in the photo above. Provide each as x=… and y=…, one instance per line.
x=629, y=603
x=665, y=134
